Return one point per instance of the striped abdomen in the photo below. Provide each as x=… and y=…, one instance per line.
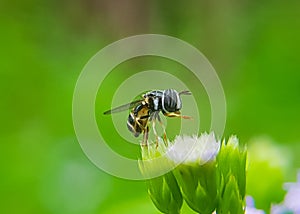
x=138, y=119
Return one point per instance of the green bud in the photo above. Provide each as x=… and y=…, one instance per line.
x=198, y=184
x=162, y=187
x=165, y=193
x=196, y=172
x=231, y=177
x=232, y=202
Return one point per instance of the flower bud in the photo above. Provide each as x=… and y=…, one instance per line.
x=231, y=177
x=165, y=193
x=196, y=173
x=163, y=189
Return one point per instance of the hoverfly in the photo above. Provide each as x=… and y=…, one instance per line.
x=147, y=110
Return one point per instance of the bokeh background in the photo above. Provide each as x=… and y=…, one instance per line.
x=253, y=45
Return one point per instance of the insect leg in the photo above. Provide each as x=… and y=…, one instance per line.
x=154, y=131
x=153, y=117
x=145, y=137
x=143, y=125
x=176, y=114
x=164, y=130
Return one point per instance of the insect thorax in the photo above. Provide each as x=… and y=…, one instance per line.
x=165, y=101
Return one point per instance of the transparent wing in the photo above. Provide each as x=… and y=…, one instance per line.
x=123, y=107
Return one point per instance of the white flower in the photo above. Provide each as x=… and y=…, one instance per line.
x=187, y=149
x=278, y=209
x=250, y=207
x=291, y=199
x=252, y=210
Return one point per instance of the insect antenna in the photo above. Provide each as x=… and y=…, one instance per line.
x=186, y=92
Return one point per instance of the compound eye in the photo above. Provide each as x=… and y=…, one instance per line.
x=171, y=100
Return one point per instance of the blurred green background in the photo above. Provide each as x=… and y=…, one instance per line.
x=253, y=45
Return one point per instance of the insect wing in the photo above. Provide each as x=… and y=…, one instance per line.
x=123, y=107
